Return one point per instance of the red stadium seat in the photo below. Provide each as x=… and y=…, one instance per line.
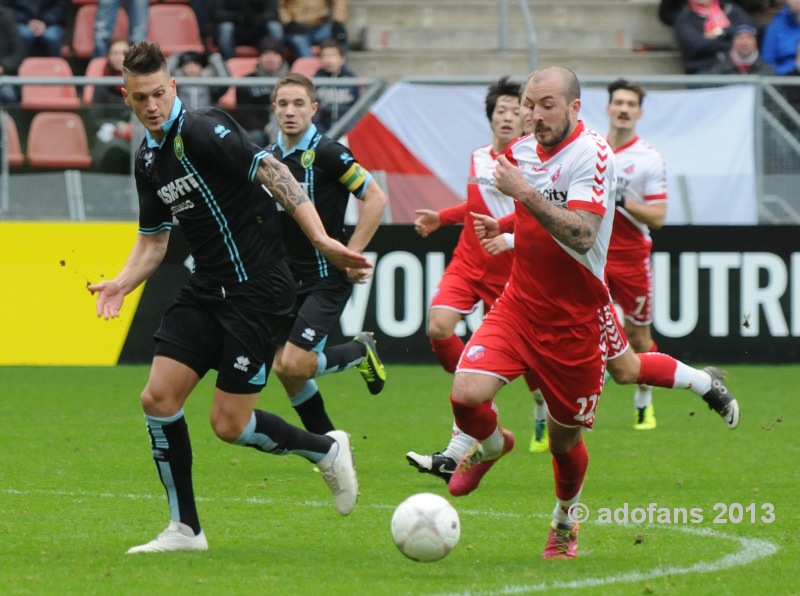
x=58, y=140
x=47, y=97
x=175, y=28
x=307, y=65
x=83, y=29
x=95, y=68
x=237, y=67
x=13, y=147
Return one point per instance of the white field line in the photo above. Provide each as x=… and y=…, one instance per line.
x=751, y=549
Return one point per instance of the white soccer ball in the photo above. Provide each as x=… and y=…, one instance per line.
x=425, y=527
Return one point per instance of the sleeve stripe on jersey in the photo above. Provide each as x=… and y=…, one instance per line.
x=254, y=166
x=354, y=177
x=163, y=227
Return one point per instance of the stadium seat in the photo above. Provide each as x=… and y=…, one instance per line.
x=175, y=28
x=47, y=97
x=307, y=65
x=95, y=68
x=82, y=2
x=13, y=147
x=83, y=29
x=58, y=140
x=237, y=67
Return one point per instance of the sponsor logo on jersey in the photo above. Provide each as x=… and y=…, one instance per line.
x=558, y=197
x=177, y=145
x=221, y=131
x=475, y=353
x=177, y=189
x=242, y=362
x=308, y=157
x=481, y=181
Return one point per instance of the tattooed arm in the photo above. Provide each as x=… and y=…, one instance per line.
x=575, y=229
x=279, y=183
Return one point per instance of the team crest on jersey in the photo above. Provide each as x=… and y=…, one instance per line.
x=308, y=157
x=177, y=144
x=557, y=174
x=628, y=169
x=475, y=353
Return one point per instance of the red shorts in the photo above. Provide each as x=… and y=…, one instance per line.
x=456, y=291
x=631, y=285
x=615, y=333
x=567, y=362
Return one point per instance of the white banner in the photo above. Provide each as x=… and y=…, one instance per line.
x=705, y=135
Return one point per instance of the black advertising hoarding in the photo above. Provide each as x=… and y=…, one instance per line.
x=722, y=294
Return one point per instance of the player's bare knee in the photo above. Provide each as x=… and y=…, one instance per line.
x=438, y=331
x=226, y=429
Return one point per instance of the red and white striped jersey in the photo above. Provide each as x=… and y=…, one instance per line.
x=560, y=285
x=642, y=178
x=482, y=197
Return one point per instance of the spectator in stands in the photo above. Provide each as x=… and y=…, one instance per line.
x=762, y=11
x=106, y=18
x=743, y=57
x=196, y=65
x=12, y=53
x=243, y=23
x=253, y=104
x=334, y=101
x=781, y=38
x=703, y=30
x=109, y=121
x=41, y=24
x=111, y=95
x=308, y=23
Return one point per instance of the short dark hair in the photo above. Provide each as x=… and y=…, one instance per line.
x=627, y=86
x=331, y=43
x=144, y=57
x=294, y=78
x=496, y=90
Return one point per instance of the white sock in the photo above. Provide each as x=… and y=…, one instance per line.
x=562, y=507
x=493, y=444
x=687, y=377
x=460, y=444
x=539, y=407
x=643, y=396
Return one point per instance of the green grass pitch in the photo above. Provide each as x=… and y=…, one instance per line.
x=79, y=488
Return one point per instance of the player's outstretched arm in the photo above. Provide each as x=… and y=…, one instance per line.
x=427, y=222
x=278, y=181
x=145, y=257
x=374, y=202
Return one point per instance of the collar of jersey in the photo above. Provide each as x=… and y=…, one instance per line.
x=304, y=143
x=166, y=127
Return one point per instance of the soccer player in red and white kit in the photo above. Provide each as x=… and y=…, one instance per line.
x=555, y=317
x=551, y=316
x=641, y=205
x=475, y=273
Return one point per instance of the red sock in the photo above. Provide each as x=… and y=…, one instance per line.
x=569, y=470
x=657, y=369
x=477, y=421
x=448, y=351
